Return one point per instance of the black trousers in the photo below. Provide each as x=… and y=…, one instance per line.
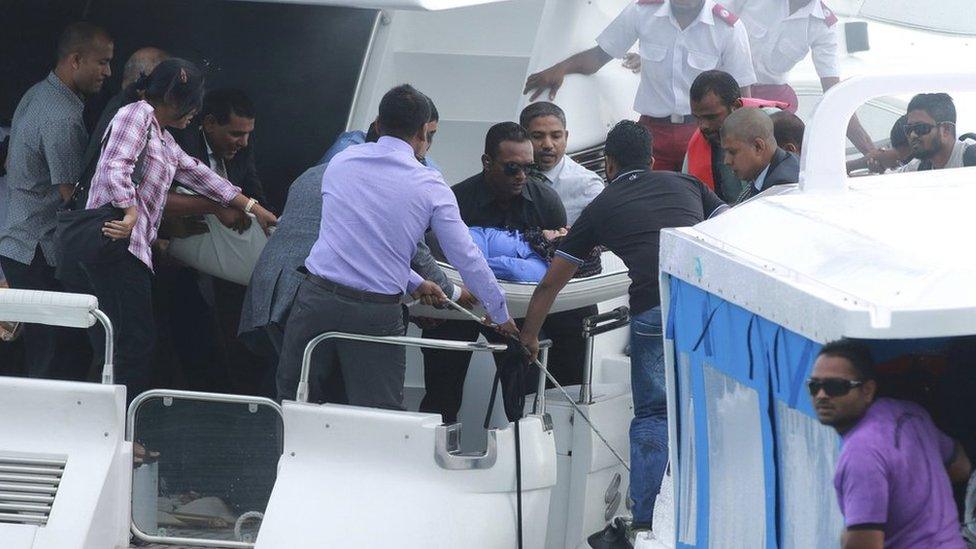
x=445, y=371
x=51, y=352
x=124, y=292
x=187, y=331
x=372, y=373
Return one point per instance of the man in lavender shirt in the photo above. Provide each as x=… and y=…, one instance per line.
x=895, y=467
x=377, y=202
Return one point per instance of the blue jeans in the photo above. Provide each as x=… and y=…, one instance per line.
x=649, y=428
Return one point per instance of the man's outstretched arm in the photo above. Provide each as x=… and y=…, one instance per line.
x=585, y=62
x=560, y=272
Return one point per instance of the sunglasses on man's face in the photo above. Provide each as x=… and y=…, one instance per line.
x=833, y=387
x=919, y=128
x=511, y=169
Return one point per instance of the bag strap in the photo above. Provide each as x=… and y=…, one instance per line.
x=83, y=185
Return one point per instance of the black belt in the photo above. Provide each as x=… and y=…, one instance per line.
x=351, y=293
x=678, y=120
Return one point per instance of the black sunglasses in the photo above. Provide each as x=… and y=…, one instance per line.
x=921, y=128
x=833, y=387
x=511, y=169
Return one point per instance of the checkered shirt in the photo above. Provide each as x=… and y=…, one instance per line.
x=133, y=128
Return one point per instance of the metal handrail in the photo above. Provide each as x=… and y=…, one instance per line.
x=417, y=342
x=593, y=326
x=108, y=369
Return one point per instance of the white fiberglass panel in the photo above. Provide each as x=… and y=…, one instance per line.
x=807, y=455
x=736, y=480
x=952, y=16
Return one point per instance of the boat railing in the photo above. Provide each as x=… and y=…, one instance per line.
x=60, y=309
x=539, y=406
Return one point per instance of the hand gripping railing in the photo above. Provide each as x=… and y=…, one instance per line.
x=403, y=341
x=824, y=147
x=59, y=309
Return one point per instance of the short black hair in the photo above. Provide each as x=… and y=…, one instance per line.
x=897, y=134
x=176, y=82
x=540, y=109
x=503, y=131
x=222, y=102
x=721, y=83
x=78, y=36
x=629, y=144
x=855, y=352
x=434, y=115
x=403, y=112
x=788, y=128
x=938, y=105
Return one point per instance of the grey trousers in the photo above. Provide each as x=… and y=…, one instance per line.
x=372, y=372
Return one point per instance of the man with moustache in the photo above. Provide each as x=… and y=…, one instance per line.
x=678, y=40
x=896, y=468
x=45, y=159
x=931, y=131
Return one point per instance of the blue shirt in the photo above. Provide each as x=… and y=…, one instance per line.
x=377, y=202
x=509, y=255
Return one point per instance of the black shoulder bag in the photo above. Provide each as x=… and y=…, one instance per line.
x=78, y=235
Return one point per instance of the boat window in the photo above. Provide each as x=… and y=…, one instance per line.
x=687, y=488
x=208, y=469
x=807, y=457
x=736, y=477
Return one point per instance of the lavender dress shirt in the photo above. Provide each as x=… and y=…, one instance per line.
x=377, y=202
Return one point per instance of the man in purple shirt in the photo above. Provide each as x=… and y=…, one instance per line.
x=895, y=467
x=377, y=202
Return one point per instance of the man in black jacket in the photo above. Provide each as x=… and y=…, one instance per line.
x=204, y=311
x=752, y=153
x=506, y=194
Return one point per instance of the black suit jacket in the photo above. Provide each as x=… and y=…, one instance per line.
x=241, y=170
x=784, y=168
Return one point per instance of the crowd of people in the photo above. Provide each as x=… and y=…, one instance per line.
x=362, y=231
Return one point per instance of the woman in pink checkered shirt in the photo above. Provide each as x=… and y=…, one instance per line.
x=171, y=96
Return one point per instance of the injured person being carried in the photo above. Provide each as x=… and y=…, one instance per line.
x=524, y=256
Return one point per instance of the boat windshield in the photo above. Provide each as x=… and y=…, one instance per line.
x=941, y=16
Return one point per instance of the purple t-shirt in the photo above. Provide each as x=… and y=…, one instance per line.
x=892, y=472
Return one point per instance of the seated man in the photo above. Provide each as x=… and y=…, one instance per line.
x=751, y=151
x=575, y=185
x=894, y=473
x=931, y=132
x=714, y=95
x=788, y=130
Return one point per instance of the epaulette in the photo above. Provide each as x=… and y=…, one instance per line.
x=649, y=2
x=829, y=16
x=724, y=14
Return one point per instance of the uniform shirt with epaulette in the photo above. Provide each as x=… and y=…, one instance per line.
x=779, y=40
x=672, y=57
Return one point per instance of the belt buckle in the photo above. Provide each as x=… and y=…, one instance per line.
x=677, y=119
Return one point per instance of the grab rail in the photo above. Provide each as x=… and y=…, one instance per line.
x=417, y=342
x=60, y=309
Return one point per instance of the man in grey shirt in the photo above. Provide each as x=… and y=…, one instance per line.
x=47, y=141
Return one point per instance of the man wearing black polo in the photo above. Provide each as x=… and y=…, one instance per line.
x=506, y=195
x=627, y=217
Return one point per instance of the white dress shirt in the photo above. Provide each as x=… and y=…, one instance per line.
x=672, y=57
x=780, y=40
x=575, y=185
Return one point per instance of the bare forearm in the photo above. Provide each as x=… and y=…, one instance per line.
x=182, y=205
x=585, y=62
x=855, y=132
x=559, y=273
x=960, y=468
